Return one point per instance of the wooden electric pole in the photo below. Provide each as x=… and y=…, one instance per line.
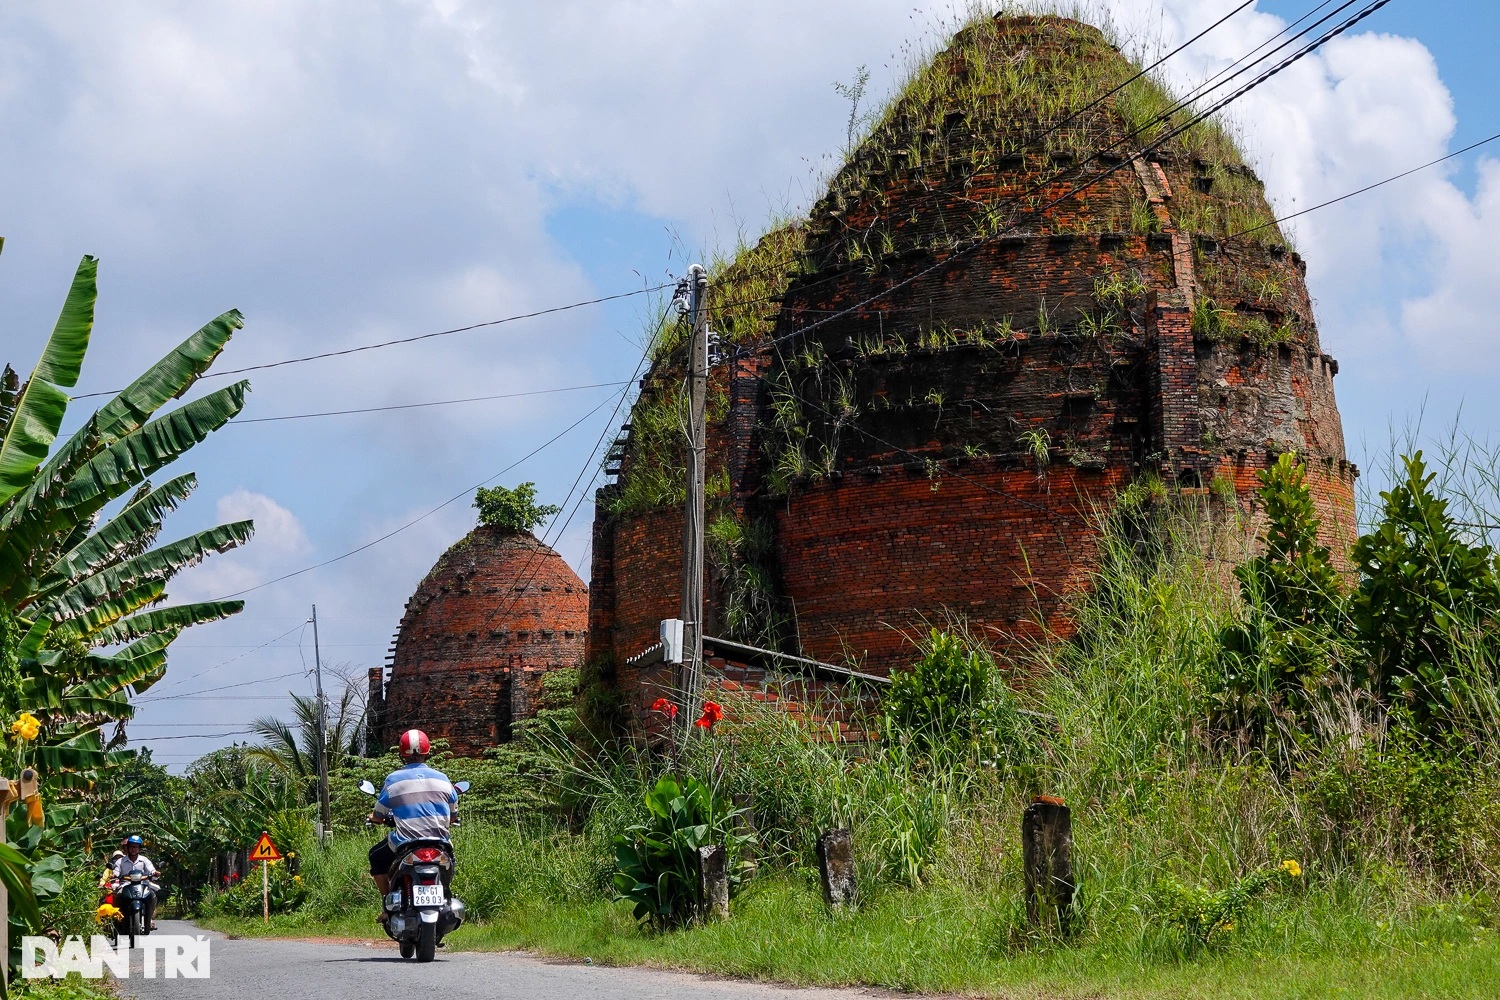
x=325, y=811
x=693, y=514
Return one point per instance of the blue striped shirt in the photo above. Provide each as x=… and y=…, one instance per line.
x=421, y=800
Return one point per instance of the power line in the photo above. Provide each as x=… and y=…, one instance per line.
x=222, y=687
x=1367, y=187
x=199, y=736
x=241, y=656
x=413, y=406
x=422, y=517
x=412, y=340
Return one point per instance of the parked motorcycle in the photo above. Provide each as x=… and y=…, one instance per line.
x=421, y=908
x=130, y=895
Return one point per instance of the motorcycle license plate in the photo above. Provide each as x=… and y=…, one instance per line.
x=426, y=895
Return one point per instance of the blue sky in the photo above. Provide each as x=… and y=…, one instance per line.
x=346, y=173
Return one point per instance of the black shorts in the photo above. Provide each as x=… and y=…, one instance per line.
x=381, y=858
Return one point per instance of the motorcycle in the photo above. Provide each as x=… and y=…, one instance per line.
x=420, y=908
x=130, y=894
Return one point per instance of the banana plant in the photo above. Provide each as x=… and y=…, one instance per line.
x=82, y=628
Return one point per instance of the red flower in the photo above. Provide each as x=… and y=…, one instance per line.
x=665, y=707
x=712, y=712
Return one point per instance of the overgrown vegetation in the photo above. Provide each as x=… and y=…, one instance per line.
x=512, y=509
x=1249, y=789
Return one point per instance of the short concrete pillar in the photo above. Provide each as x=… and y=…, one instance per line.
x=836, y=866
x=713, y=883
x=1047, y=854
x=745, y=827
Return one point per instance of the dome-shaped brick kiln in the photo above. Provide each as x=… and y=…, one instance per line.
x=493, y=616
x=1009, y=305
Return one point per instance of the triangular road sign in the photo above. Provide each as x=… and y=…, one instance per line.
x=264, y=850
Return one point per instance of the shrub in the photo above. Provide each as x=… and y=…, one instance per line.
x=954, y=701
x=514, y=510
x=658, y=859
x=1276, y=656
x=1203, y=917
x=1426, y=602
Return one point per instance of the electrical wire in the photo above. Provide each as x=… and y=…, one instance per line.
x=225, y=663
x=422, y=517
x=222, y=687
x=413, y=406
x=412, y=340
x=1367, y=187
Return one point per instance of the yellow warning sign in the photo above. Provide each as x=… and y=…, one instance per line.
x=264, y=850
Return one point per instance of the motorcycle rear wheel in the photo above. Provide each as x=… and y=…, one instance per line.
x=426, y=942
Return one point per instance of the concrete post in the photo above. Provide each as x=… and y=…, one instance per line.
x=713, y=883
x=836, y=867
x=1047, y=853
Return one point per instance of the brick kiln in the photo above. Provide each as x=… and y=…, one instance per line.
x=495, y=613
x=1002, y=312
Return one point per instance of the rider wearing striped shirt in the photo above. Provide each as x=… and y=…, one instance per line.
x=419, y=800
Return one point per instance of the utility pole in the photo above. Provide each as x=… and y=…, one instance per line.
x=693, y=514
x=325, y=812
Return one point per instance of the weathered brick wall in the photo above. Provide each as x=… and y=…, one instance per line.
x=495, y=614
x=870, y=560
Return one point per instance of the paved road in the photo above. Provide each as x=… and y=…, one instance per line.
x=265, y=969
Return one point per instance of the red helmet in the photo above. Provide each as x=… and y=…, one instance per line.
x=414, y=743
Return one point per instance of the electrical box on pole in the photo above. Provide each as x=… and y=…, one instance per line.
x=691, y=672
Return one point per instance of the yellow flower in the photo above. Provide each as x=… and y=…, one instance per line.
x=26, y=726
x=296, y=878
x=107, y=912
x=1292, y=868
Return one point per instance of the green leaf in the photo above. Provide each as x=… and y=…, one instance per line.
x=39, y=409
x=176, y=618
x=161, y=563
x=121, y=533
x=15, y=875
x=168, y=379
x=139, y=454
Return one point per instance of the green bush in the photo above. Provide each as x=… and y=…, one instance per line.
x=244, y=897
x=1279, y=655
x=1428, y=603
x=954, y=701
x=658, y=859
x=514, y=510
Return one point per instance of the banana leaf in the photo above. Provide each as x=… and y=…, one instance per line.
x=16, y=874
x=169, y=378
x=178, y=617
x=119, y=534
x=10, y=391
x=131, y=665
x=109, y=611
x=106, y=476
x=40, y=406
x=161, y=563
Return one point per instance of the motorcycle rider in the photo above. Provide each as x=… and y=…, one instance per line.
x=420, y=801
x=134, y=861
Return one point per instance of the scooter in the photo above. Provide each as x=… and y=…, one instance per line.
x=420, y=907
x=131, y=893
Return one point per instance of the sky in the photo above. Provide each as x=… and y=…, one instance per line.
x=348, y=173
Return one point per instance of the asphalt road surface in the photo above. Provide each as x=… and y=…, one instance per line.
x=267, y=969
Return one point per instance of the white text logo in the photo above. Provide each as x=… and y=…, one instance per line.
x=181, y=955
